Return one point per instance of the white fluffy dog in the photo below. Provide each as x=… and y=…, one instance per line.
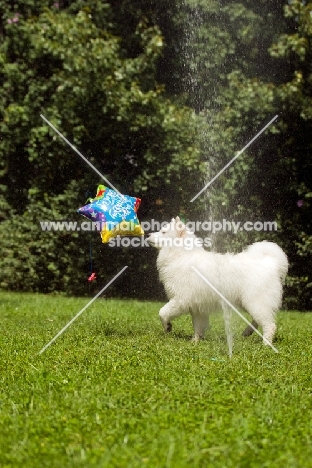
x=252, y=279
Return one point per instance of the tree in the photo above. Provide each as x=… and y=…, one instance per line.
x=239, y=63
x=68, y=64
x=281, y=162
x=272, y=179
x=122, y=80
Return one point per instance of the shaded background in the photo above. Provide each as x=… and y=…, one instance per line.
x=159, y=96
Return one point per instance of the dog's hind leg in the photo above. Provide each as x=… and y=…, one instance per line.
x=265, y=318
x=169, y=312
x=249, y=330
x=200, y=325
x=269, y=330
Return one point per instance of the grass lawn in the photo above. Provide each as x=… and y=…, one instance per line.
x=114, y=391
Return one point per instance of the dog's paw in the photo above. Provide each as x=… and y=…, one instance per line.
x=247, y=332
x=196, y=339
x=250, y=329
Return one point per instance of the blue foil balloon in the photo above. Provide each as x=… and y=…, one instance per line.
x=116, y=214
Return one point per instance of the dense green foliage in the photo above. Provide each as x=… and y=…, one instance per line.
x=245, y=62
x=159, y=95
x=69, y=66
x=276, y=173
x=114, y=391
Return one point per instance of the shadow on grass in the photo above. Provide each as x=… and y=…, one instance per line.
x=124, y=331
x=120, y=330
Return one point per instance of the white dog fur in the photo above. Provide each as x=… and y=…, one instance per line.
x=252, y=279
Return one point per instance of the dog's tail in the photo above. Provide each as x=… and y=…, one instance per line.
x=271, y=249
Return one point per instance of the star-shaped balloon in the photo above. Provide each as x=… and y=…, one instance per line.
x=116, y=213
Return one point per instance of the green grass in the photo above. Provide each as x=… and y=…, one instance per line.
x=114, y=391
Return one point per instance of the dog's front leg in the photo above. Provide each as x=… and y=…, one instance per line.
x=170, y=311
x=200, y=325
